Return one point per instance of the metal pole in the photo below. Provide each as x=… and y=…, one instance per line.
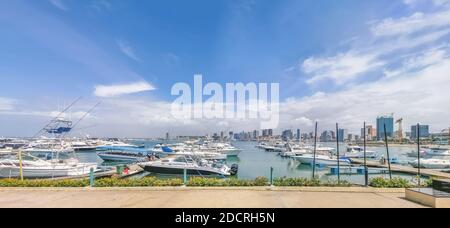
x=91, y=177
x=418, y=154
x=21, y=165
x=387, y=150
x=338, y=154
x=271, y=176
x=315, y=148
x=185, y=177
x=366, y=170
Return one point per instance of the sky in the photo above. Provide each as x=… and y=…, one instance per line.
x=345, y=61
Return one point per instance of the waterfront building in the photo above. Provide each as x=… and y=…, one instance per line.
x=255, y=134
x=326, y=136
x=350, y=137
x=389, y=122
x=424, y=131
x=371, y=132
x=343, y=135
x=287, y=135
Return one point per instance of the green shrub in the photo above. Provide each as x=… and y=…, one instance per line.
x=397, y=182
x=232, y=182
x=142, y=182
x=305, y=182
x=43, y=183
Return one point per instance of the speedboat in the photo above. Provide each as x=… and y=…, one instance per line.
x=192, y=165
x=292, y=151
x=358, y=152
x=82, y=146
x=10, y=168
x=322, y=160
x=123, y=154
x=431, y=164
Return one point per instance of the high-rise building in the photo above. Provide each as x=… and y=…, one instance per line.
x=299, y=136
x=424, y=131
x=342, y=135
x=255, y=134
x=267, y=133
x=326, y=136
x=371, y=132
x=287, y=135
x=387, y=121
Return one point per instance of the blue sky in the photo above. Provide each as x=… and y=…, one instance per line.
x=53, y=51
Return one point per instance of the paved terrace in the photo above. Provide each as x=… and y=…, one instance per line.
x=203, y=198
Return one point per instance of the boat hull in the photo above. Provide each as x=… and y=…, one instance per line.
x=14, y=172
x=121, y=158
x=309, y=160
x=180, y=171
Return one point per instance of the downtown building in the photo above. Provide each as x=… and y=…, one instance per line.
x=387, y=121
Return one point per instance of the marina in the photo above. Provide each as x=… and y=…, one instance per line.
x=252, y=161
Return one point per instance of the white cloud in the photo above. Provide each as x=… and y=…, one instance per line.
x=418, y=62
x=59, y=4
x=388, y=42
x=124, y=89
x=417, y=2
x=418, y=97
x=411, y=24
x=6, y=104
x=341, y=68
x=127, y=50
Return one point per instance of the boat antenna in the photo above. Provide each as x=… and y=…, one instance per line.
x=85, y=115
x=57, y=117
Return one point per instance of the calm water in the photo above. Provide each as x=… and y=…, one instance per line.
x=254, y=162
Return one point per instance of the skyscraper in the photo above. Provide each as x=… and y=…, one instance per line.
x=389, y=122
x=287, y=135
x=299, y=136
x=424, y=131
x=342, y=135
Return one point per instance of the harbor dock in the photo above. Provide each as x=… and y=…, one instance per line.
x=404, y=169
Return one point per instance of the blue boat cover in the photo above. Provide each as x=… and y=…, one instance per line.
x=167, y=149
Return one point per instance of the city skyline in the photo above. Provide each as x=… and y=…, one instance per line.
x=347, y=62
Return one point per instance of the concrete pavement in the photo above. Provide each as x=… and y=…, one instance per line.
x=202, y=198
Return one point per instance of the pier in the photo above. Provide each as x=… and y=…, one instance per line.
x=403, y=169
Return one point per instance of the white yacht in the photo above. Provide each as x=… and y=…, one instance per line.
x=192, y=165
x=82, y=146
x=358, y=152
x=38, y=168
x=431, y=164
x=322, y=160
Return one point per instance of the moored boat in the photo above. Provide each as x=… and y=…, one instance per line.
x=431, y=164
x=322, y=160
x=192, y=165
x=10, y=168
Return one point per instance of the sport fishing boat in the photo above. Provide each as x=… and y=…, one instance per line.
x=322, y=160
x=123, y=154
x=193, y=166
x=431, y=164
x=38, y=168
x=358, y=152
